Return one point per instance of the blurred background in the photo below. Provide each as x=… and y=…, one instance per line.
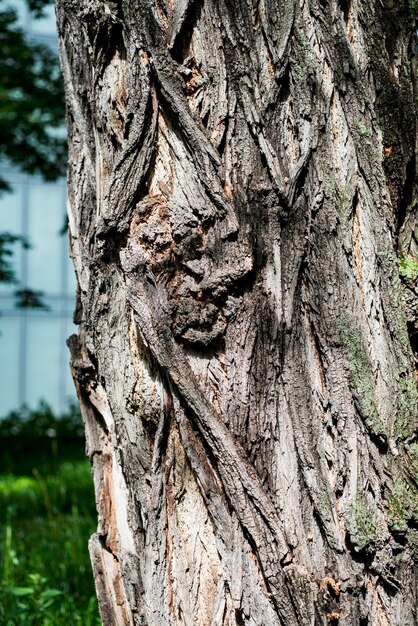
x=47, y=509
x=33, y=353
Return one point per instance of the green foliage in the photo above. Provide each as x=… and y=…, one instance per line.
x=30, y=299
x=40, y=439
x=31, y=109
x=31, y=101
x=360, y=370
x=25, y=298
x=45, y=573
x=361, y=525
x=49, y=494
x=37, y=423
x=32, y=602
x=37, y=6
x=7, y=242
x=47, y=513
x=408, y=268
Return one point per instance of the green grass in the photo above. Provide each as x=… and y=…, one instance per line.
x=47, y=515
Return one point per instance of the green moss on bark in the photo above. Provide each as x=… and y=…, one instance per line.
x=402, y=505
x=361, y=371
x=404, y=406
x=361, y=525
x=408, y=267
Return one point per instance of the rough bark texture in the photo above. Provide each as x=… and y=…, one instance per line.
x=242, y=184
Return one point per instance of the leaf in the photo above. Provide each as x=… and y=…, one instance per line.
x=50, y=593
x=30, y=299
x=19, y=591
x=47, y=597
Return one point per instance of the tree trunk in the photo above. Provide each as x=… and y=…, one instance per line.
x=241, y=189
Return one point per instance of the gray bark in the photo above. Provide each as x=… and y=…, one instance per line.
x=242, y=183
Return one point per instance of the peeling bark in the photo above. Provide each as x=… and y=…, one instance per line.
x=242, y=184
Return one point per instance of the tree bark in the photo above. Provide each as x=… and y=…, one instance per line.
x=242, y=184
